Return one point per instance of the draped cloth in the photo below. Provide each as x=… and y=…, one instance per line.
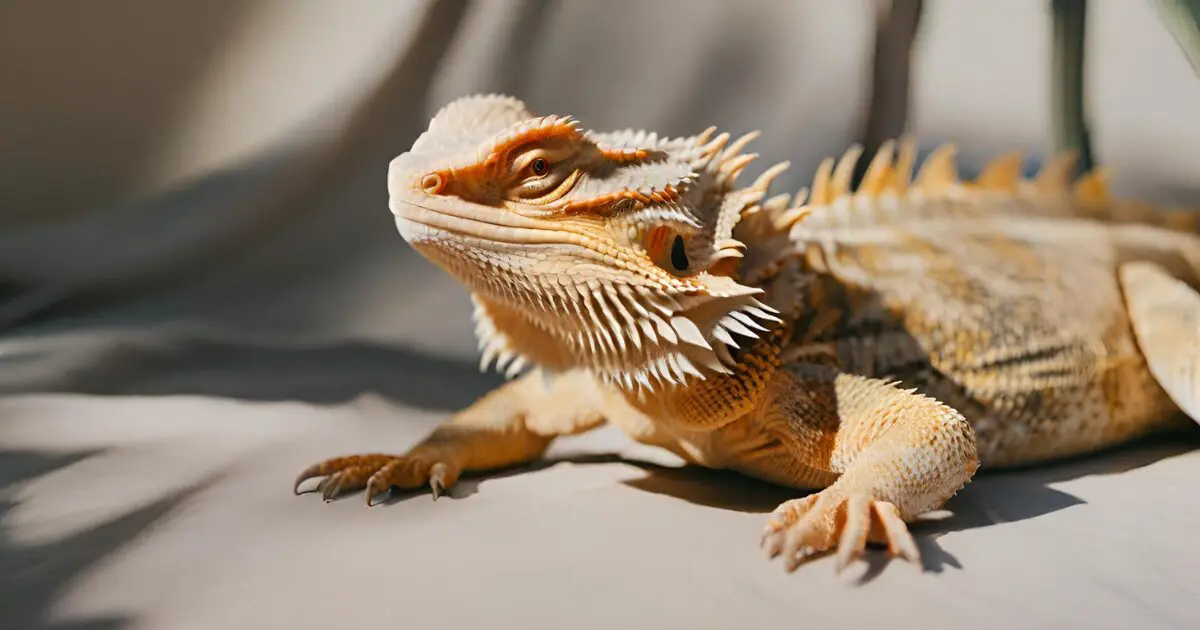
x=202, y=292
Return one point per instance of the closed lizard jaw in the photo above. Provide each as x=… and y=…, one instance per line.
x=429, y=219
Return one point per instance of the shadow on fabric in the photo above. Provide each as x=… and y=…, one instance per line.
x=33, y=578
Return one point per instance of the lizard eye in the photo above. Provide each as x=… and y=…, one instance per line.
x=539, y=166
x=679, y=257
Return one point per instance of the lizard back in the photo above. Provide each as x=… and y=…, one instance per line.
x=1004, y=303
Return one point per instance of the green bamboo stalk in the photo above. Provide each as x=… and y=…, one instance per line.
x=1067, y=87
x=1182, y=19
x=897, y=23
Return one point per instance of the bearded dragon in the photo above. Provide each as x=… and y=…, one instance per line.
x=877, y=345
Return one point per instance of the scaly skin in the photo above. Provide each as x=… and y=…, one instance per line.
x=878, y=345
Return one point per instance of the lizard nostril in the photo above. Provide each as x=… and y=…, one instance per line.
x=432, y=184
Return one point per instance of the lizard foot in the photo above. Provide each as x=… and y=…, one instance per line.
x=802, y=528
x=377, y=473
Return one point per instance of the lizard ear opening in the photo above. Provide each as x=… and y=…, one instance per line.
x=679, y=257
x=668, y=250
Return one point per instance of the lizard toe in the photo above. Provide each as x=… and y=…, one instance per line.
x=376, y=474
x=895, y=534
x=342, y=472
x=825, y=522
x=783, y=517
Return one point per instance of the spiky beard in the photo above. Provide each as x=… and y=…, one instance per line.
x=629, y=336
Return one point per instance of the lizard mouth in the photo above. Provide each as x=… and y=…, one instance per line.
x=426, y=223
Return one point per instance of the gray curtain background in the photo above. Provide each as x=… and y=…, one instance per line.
x=220, y=165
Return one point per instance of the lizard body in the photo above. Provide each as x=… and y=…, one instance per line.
x=878, y=344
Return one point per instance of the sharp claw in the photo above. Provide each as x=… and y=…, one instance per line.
x=771, y=540
x=900, y=541
x=843, y=561
x=794, y=560
x=305, y=475
x=907, y=553
x=773, y=546
x=372, y=489
x=801, y=554
x=333, y=484
x=437, y=480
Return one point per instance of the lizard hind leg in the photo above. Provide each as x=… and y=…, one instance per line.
x=1165, y=315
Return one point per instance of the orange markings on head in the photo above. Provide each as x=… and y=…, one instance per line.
x=656, y=242
x=561, y=129
x=666, y=195
x=625, y=156
x=496, y=162
x=726, y=267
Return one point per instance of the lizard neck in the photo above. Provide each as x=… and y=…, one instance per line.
x=629, y=341
x=519, y=337
x=715, y=402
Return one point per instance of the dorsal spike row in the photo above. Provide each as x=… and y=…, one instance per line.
x=939, y=171
x=906, y=161
x=1056, y=175
x=840, y=181
x=1002, y=173
x=879, y=169
x=1092, y=187
x=891, y=172
x=821, y=185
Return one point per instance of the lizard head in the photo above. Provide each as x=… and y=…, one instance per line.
x=612, y=252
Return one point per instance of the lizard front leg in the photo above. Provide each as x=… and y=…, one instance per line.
x=891, y=454
x=512, y=424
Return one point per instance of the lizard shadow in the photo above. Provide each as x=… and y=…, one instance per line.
x=993, y=498
x=711, y=488
x=999, y=497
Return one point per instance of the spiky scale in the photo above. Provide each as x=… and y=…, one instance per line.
x=724, y=336
x=747, y=321
x=734, y=325
x=688, y=332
